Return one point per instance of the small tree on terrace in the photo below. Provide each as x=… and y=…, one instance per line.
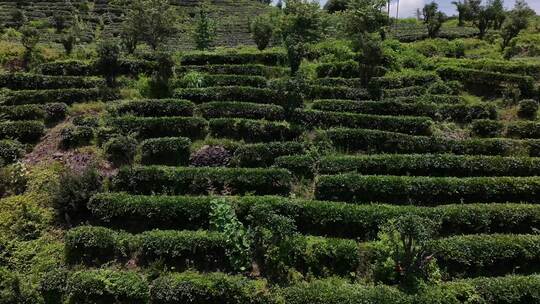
x=150, y=21
x=433, y=19
x=29, y=40
x=262, y=30
x=108, y=63
x=463, y=11
x=518, y=20
x=498, y=13
x=205, y=28
x=303, y=22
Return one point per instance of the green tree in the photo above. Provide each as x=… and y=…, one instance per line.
x=433, y=19
x=333, y=6
x=159, y=83
x=205, y=28
x=154, y=21
x=108, y=61
x=518, y=20
x=262, y=30
x=29, y=39
x=303, y=22
x=498, y=13
x=463, y=10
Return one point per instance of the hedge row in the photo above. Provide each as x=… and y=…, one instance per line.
x=231, y=93
x=401, y=80
x=28, y=131
x=403, y=92
x=154, y=107
x=153, y=127
x=389, y=142
x=27, y=81
x=487, y=82
x=50, y=112
x=230, y=109
x=107, y=286
x=172, y=151
x=500, y=66
x=426, y=190
x=181, y=249
x=179, y=180
x=215, y=80
x=431, y=165
x=264, y=154
x=334, y=219
x=86, y=68
x=235, y=69
x=481, y=255
x=429, y=98
x=523, y=129
x=338, y=82
x=251, y=130
x=324, y=119
x=454, y=112
x=67, y=96
x=208, y=58
x=337, y=92
x=343, y=69
x=10, y=150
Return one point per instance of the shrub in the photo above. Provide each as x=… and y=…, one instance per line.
x=389, y=142
x=322, y=119
x=120, y=150
x=231, y=93
x=10, y=151
x=91, y=245
x=262, y=30
x=173, y=151
x=298, y=165
x=67, y=96
x=213, y=287
x=426, y=190
x=55, y=112
x=338, y=82
x=235, y=69
x=126, y=66
x=209, y=80
x=528, y=109
x=22, y=112
x=203, y=180
x=241, y=110
x=27, y=81
x=263, y=155
x=75, y=136
x=24, y=131
x=408, y=78
x=403, y=92
x=150, y=127
x=430, y=165
x=269, y=57
x=337, y=92
x=252, y=130
x=344, y=69
x=107, y=63
x=477, y=255
x=487, y=128
x=211, y=156
x=154, y=108
x=86, y=121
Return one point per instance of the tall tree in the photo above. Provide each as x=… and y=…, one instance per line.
x=497, y=9
x=517, y=20
x=433, y=19
x=205, y=28
x=463, y=10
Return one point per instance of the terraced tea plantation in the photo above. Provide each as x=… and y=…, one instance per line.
x=234, y=176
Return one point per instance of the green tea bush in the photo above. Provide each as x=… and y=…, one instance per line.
x=426, y=190
x=23, y=112
x=337, y=92
x=487, y=128
x=263, y=154
x=67, y=96
x=172, y=151
x=396, y=80
x=235, y=69
x=231, y=93
x=528, y=109
x=127, y=66
x=151, y=127
x=251, y=130
x=76, y=136
x=10, y=150
x=269, y=57
x=120, y=150
x=24, y=131
x=523, y=129
x=231, y=109
x=27, y=81
x=179, y=180
x=154, y=108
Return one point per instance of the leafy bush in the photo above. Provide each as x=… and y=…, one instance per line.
x=120, y=150
x=487, y=128
x=269, y=57
x=173, y=151
x=92, y=245
x=231, y=93
x=252, y=130
x=208, y=80
x=528, y=109
x=55, y=112
x=24, y=131
x=76, y=136
x=67, y=96
x=151, y=127
x=523, y=129
x=264, y=154
x=27, y=81
x=426, y=190
x=262, y=30
x=154, y=108
x=10, y=151
x=211, y=156
x=235, y=69
x=249, y=110
x=177, y=180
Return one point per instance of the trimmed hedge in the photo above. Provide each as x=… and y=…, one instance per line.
x=431, y=165
x=429, y=98
x=173, y=151
x=28, y=131
x=299, y=165
x=389, y=142
x=323, y=119
x=231, y=93
x=27, y=81
x=251, y=130
x=427, y=190
x=178, y=180
x=67, y=96
x=23, y=112
x=333, y=219
x=523, y=129
x=264, y=154
x=76, y=136
x=401, y=80
x=10, y=150
x=153, y=127
x=97, y=245
x=154, y=107
x=235, y=69
x=209, y=58
x=132, y=67
x=454, y=112
x=487, y=82
x=215, y=80
x=500, y=66
x=338, y=82
x=487, y=128
x=337, y=92
x=479, y=255
x=232, y=109
x=209, y=288
x=344, y=69
x=404, y=92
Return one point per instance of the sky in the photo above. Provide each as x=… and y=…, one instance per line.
x=407, y=8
